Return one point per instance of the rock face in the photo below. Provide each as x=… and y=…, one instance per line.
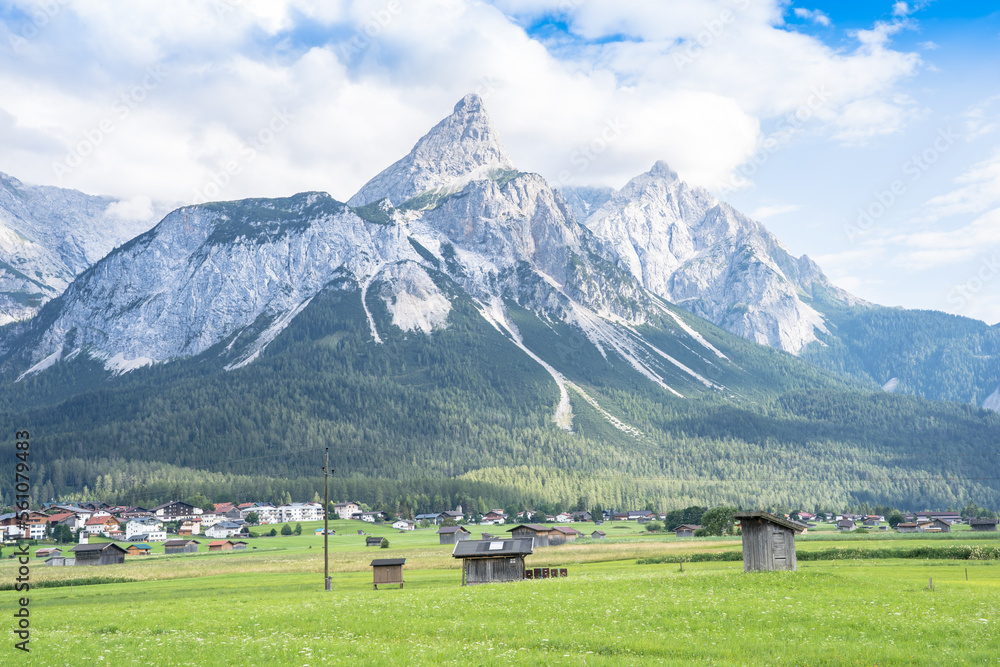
x=684, y=245
x=463, y=147
x=992, y=401
x=50, y=235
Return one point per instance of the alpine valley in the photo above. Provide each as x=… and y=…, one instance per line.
x=459, y=332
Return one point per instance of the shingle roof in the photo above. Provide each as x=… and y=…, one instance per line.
x=97, y=546
x=380, y=562
x=767, y=516
x=533, y=526
x=447, y=530
x=471, y=548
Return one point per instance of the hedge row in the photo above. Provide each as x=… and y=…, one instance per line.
x=953, y=552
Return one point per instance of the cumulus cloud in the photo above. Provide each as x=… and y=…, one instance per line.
x=814, y=15
x=269, y=97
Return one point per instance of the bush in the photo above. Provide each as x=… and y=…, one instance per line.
x=286, y=530
x=384, y=544
x=273, y=533
x=298, y=528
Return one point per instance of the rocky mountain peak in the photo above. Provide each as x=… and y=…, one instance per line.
x=462, y=147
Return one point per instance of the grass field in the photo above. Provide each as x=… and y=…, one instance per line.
x=267, y=607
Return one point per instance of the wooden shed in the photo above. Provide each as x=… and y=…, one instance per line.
x=100, y=553
x=563, y=534
x=240, y=545
x=220, y=545
x=907, y=527
x=48, y=552
x=768, y=541
x=598, y=535
x=60, y=561
x=490, y=561
x=387, y=571
x=452, y=534
x=373, y=541
x=942, y=524
x=180, y=546
x=138, y=549
x=686, y=530
x=983, y=525
x=540, y=534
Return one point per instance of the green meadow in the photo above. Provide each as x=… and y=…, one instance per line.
x=267, y=607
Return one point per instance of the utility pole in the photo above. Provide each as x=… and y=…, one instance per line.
x=327, y=583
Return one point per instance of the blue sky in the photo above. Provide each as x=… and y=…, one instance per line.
x=864, y=134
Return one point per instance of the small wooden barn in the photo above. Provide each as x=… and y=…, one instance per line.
x=59, y=561
x=100, y=553
x=768, y=541
x=943, y=525
x=989, y=525
x=48, y=552
x=686, y=530
x=240, y=545
x=907, y=527
x=387, y=571
x=845, y=525
x=220, y=545
x=491, y=561
x=540, y=534
x=563, y=534
x=452, y=534
x=373, y=541
x=598, y=535
x=138, y=549
x=180, y=546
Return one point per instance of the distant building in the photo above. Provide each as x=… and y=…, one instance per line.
x=768, y=541
x=104, y=553
x=909, y=527
x=176, y=511
x=686, y=530
x=491, y=561
x=845, y=525
x=345, y=510
x=980, y=525
x=452, y=534
x=180, y=546
x=598, y=535
x=373, y=541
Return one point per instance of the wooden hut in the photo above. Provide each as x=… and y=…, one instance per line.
x=180, y=546
x=598, y=535
x=240, y=545
x=387, y=571
x=138, y=549
x=563, y=534
x=60, y=561
x=100, y=553
x=48, y=552
x=452, y=534
x=540, y=534
x=989, y=525
x=686, y=530
x=373, y=541
x=768, y=541
x=908, y=527
x=220, y=545
x=942, y=524
x=490, y=561
x=846, y=525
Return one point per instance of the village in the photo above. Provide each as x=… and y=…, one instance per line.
x=101, y=534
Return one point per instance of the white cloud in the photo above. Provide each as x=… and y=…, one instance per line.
x=814, y=15
x=364, y=80
x=765, y=212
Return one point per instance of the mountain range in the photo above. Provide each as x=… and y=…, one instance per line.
x=460, y=319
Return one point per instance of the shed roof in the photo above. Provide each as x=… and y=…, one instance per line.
x=179, y=543
x=687, y=526
x=219, y=543
x=385, y=562
x=533, y=526
x=982, y=522
x=140, y=545
x=486, y=548
x=767, y=516
x=447, y=530
x=567, y=530
x=97, y=546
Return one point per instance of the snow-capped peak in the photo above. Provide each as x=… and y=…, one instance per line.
x=462, y=147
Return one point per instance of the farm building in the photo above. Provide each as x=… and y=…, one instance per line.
x=452, y=534
x=220, y=545
x=490, y=561
x=48, y=552
x=944, y=526
x=598, y=535
x=908, y=528
x=387, y=571
x=180, y=546
x=540, y=534
x=845, y=525
x=138, y=549
x=686, y=530
x=240, y=546
x=768, y=541
x=60, y=561
x=103, y=553
x=983, y=525
x=373, y=541
x=490, y=536
x=563, y=534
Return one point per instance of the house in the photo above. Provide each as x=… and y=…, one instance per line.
x=768, y=541
x=189, y=528
x=131, y=512
x=452, y=534
x=635, y=515
x=563, y=534
x=266, y=514
x=598, y=535
x=180, y=546
x=909, y=527
x=493, y=517
x=145, y=525
x=373, y=541
x=433, y=517
x=345, y=510
x=455, y=514
x=582, y=516
x=563, y=517
x=540, y=534
x=686, y=530
x=403, y=524
x=942, y=525
x=949, y=515
x=490, y=561
x=220, y=545
x=104, y=553
x=370, y=517
x=99, y=525
x=980, y=525
x=619, y=516
x=138, y=549
x=74, y=521
x=176, y=511
x=224, y=530
x=48, y=552
x=387, y=571
x=319, y=531
x=845, y=525
x=296, y=512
